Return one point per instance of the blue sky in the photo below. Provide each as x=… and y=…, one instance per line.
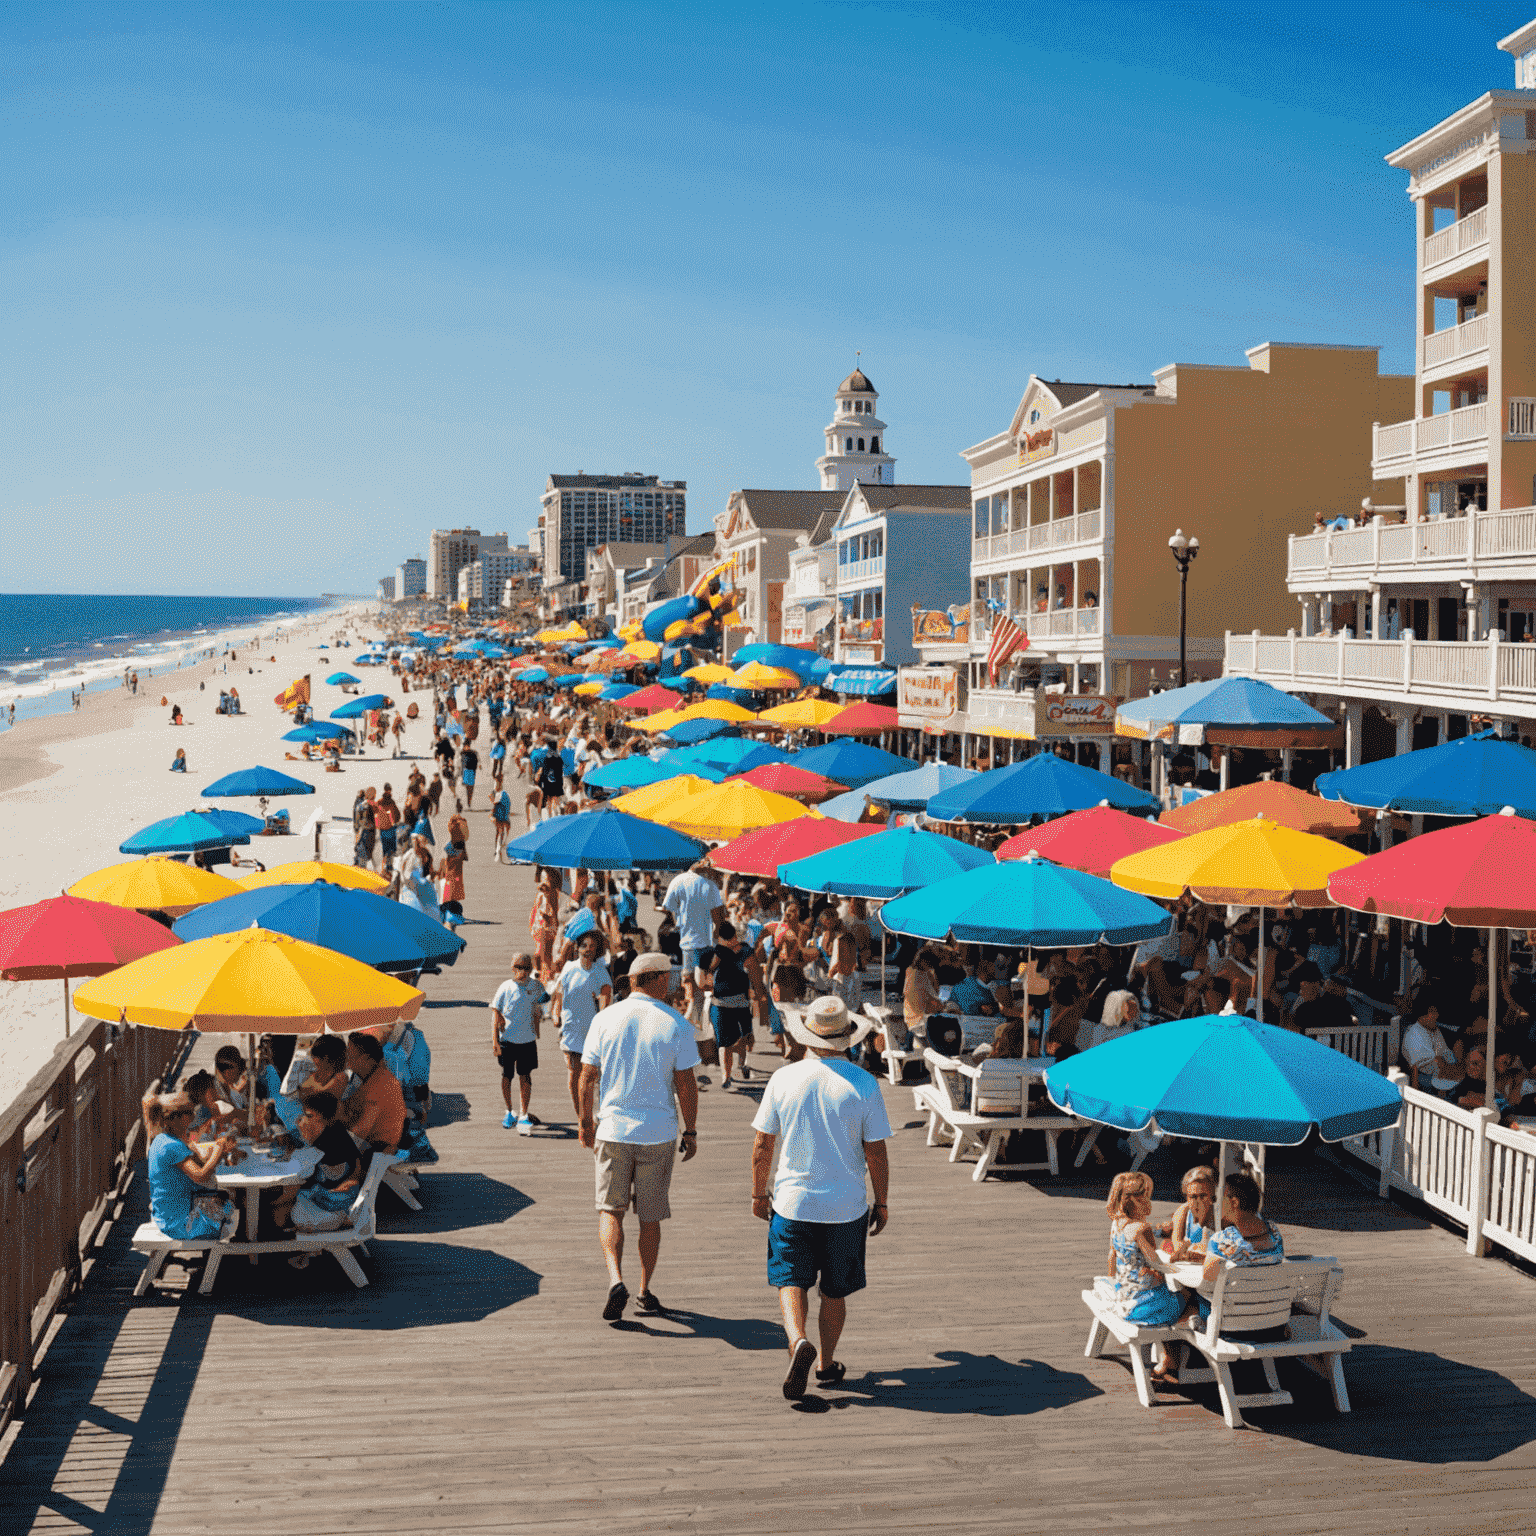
x=288, y=286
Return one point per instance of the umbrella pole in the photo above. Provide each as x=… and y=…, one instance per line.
x=66, y=1007
x=250, y=1086
x=1258, y=977
x=1493, y=1014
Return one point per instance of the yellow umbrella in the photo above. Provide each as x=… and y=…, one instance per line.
x=1254, y=863
x=588, y=689
x=659, y=721
x=708, y=672
x=634, y=630
x=715, y=709
x=249, y=982
x=308, y=871
x=643, y=650
x=725, y=811
x=802, y=712
x=651, y=799
x=155, y=884
x=756, y=675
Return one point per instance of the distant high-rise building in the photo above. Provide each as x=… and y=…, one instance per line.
x=482, y=583
x=582, y=511
x=411, y=578
x=451, y=550
x=386, y=589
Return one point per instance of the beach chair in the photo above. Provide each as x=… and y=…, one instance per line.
x=1296, y=1296
x=896, y=1056
x=1137, y=1339
x=159, y=1248
x=401, y=1179
x=943, y=1099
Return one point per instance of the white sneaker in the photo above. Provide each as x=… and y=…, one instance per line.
x=524, y=1126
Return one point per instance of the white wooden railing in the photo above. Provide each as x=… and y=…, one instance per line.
x=1456, y=342
x=861, y=570
x=1456, y=240
x=1372, y=1045
x=1435, y=547
x=1403, y=441
x=1002, y=706
x=1055, y=534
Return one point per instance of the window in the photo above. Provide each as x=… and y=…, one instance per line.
x=874, y=445
x=847, y=445
x=861, y=445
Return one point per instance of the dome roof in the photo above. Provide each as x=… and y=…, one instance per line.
x=856, y=384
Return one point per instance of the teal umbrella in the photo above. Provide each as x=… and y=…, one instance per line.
x=885, y=865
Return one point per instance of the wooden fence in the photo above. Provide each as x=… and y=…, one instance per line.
x=67, y=1146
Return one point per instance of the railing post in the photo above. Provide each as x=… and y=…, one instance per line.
x=1290, y=635
x=1472, y=536
x=1493, y=663
x=1340, y=677
x=1399, y=1079
x=1407, y=644
x=1477, y=1198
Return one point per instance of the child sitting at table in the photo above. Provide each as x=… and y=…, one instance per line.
x=211, y=1116
x=321, y=1203
x=1136, y=1287
x=1191, y=1224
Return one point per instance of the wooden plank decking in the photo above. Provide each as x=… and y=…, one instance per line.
x=473, y=1387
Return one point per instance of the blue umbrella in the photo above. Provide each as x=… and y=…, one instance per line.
x=849, y=807
x=1471, y=776
x=343, y=679
x=733, y=754
x=690, y=732
x=532, y=675
x=382, y=933
x=370, y=660
x=637, y=772
x=913, y=790
x=791, y=658
x=194, y=830
x=615, y=691
x=1225, y=703
x=317, y=730
x=264, y=783
x=1225, y=1077
x=568, y=679
x=862, y=682
x=1043, y=785
x=354, y=708
x=851, y=762
x=885, y=865
x=605, y=839
x=742, y=696
x=1025, y=904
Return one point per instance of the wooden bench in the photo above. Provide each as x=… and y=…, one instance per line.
x=159, y=1248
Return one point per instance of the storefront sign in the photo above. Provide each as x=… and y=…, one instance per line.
x=860, y=653
x=1074, y=714
x=942, y=626
x=931, y=692
x=1037, y=445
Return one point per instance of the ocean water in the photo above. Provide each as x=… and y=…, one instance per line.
x=54, y=645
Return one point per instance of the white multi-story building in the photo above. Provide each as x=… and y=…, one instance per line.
x=411, y=577
x=1419, y=620
x=855, y=439
x=582, y=511
x=451, y=549
x=386, y=589
x=482, y=583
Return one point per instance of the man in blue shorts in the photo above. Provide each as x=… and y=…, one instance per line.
x=833, y=1122
x=694, y=901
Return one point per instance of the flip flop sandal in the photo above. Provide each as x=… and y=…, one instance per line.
x=831, y=1377
x=799, y=1371
x=649, y=1304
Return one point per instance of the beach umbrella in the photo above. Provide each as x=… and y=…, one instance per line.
x=1252, y=864
x=1042, y=785
x=316, y=731
x=708, y=672
x=641, y=651
x=800, y=714
x=727, y=810
x=1481, y=874
x=863, y=719
x=802, y=663
x=652, y=699
x=192, y=831
x=717, y=709
x=745, y=697
x=657, y=724
x=1281, y=803
x=896, y=860
x=1227, y=1078
x=1093, y=840
x=786, y=779
x=588, y=690
x=307, y=871
x=532, y=675
x=343, y=679
x=651, y=799
x=257, y=783
x=734, y=754
x=636, y=772
x=1026, y=904
x=757, y=676
x=912, y=790
x=616, y=691
x=690, y=732
x=761, y=851
x=848, y=808
x=1472, y=776
x=384, y=934
x=605, y=839
x=870, y=682
x=155, y=884
x=355, y=708
x=1236, y=711
x=852, y=762
x=64, y=937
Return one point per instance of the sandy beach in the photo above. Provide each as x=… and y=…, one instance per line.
x=73, y=786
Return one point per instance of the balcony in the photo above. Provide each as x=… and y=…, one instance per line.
x=858, y=572
x=1456, y=246
x=1446, y=441
x=1057, y=534
x=1060, y=624
x=1462, y=676
x=1475, y=546
x=1456, y=350
x=1001, y=706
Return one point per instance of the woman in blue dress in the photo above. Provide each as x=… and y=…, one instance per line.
x=1136, y=1286
x=1192, y=1223
x=178, y=1176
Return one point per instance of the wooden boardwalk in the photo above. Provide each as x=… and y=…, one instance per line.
x=473, y=1386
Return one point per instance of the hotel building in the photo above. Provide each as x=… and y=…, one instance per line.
x=1420, y=623
x=582, y=511
x=450, y=550
x=411, y=577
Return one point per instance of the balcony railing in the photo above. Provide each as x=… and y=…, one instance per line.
x=1475, y=674
x=862, y=570
x=1461, y=239
x=1056, y=534
x=1434, y=547
x=1394, y=447
x=1002, y=706
x=1456, y=342
x=1060, y=623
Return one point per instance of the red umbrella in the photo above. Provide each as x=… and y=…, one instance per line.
x=786, y=779
x=761, y=851
x=67, y=936
x=1090, y=840
x=1478, y=875
x=650, y=700
x=864, y=719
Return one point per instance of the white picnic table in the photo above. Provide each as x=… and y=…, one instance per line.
x=259, y=1170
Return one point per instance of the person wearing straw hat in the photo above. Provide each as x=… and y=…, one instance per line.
x=831, y=1118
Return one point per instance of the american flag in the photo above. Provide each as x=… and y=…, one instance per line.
x=1007, y=638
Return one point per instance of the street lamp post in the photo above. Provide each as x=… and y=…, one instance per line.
x=1184, y=551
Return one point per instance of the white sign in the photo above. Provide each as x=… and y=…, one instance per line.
x=932, y=692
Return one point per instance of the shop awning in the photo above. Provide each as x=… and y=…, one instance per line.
x=865, y=682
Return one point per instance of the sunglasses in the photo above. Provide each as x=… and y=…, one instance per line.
x=522, y=967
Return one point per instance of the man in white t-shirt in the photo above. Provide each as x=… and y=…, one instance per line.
x=695, y=903
x=643, y=1053
x=1432, y=1065
x=583, y=988
x=832, y=1119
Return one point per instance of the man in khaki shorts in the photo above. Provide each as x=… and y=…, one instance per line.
x=643, y=1052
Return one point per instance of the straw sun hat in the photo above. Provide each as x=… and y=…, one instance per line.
x=827, y=1026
